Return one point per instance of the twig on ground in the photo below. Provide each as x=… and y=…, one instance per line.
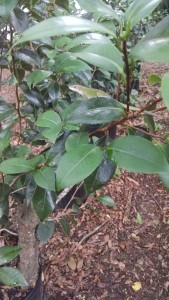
x=128, y=209
x=8, y=231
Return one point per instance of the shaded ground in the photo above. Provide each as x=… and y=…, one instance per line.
x=109, y=254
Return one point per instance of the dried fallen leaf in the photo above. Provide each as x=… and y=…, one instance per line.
x=122, y=245
x=136, y=286
x=122, y=266
x=72, y=264
x=80, y=264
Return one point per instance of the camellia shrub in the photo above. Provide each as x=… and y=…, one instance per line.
x=72, y=65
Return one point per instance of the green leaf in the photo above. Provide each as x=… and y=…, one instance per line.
x=98, y=6
x=19, y=20
x=94, y=111
x=45, y=178
x=77, y=164
x=102, y=55
x=12, y=276
x=6, y=110
x=3, y=144
x=37, y=76
x=52, y=133
x=28, y=55
x=153, y=79
x=138, y=10
x=48, y=119
x=106, y=200
x=16, y=166
x=68, y=63
x=139, y=218
x=63, y=3
x=76, y=139
x=150, y=122
x=164, y=89
x=137, y=154
x=165, y=179
x=8, y=253
x=56, y=26
x=43, y=202
x=65, y=226
x=88, y=39
x=6, y=6
x=155, y=45
x=45, y=231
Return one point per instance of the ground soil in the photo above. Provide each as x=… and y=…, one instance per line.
x=117, y=253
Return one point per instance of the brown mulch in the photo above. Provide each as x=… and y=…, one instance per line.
x=117, y=253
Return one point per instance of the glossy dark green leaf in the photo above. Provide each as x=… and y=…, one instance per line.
x=16, y=166
x=6, y=110
x=8, y=253
x=155, y=45
x=36, y=77
x=45, y=231
x=45, y=178
x=28, y=55
x=19, y=20
x=33, y=96
x=107, y=200
x=76, y=139
x=98, y=6
x=95, y=111
x=56, y=26
x=102, y=55
x=54, y=91
x=68, y=63
x=12, y=277
x=164, y=89
x=138, y=10
x=4, y=199
x=137, y=154
x=6, y=6
x=43, y=202
x=65, y=226
x=63, y=3
x=77, y=164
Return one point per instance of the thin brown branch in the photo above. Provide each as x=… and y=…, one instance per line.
x=127, y=74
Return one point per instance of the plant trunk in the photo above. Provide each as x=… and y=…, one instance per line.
x=29, y=256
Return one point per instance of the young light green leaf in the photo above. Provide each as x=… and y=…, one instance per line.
x=57, y=26
x=48, y=119
x=98, y=6
x=45, y=178
x=6, y=6
x=138, y=10
x=139, y=218
x=45, y=231
x=164, y=89
x=37, y=76
x=16, y=166
x=77, y=164
x=107, y=200
x=12, y=277
x=7, y=253
x=137, y=154
x=155, y=45
x=153, y=79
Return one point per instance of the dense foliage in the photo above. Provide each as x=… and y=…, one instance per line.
x=75, y=66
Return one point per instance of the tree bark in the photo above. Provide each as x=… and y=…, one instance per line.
x=29, y=256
